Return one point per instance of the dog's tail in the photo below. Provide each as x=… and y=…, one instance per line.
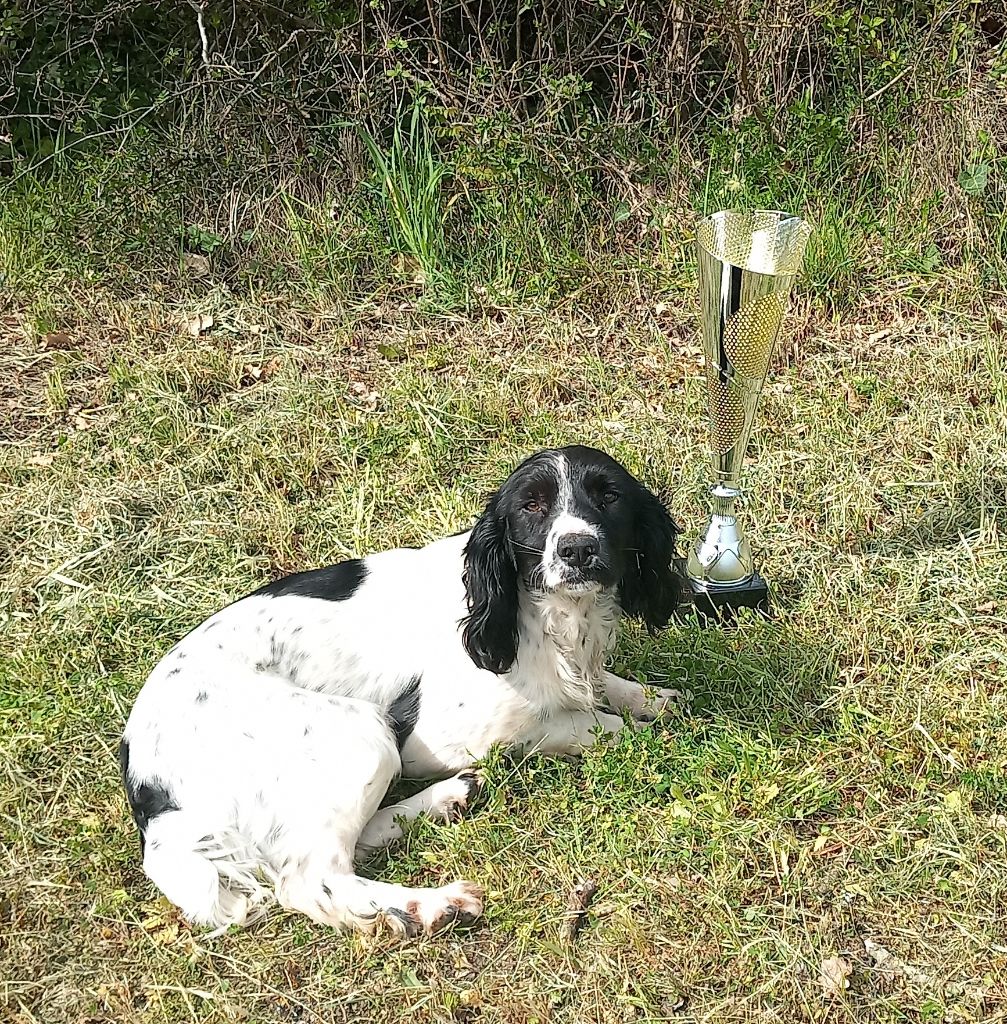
x=216, y=882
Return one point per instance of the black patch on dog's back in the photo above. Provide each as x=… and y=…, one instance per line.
x=404, y=711
x=333, y=583
x=146, y=801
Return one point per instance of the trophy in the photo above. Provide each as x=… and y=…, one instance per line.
x=747, y=262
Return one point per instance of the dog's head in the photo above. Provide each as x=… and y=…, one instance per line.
x=568, y=521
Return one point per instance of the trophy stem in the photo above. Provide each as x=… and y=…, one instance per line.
x=722, y=556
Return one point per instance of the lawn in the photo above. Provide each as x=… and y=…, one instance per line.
x=832, y=786
x=282, y=284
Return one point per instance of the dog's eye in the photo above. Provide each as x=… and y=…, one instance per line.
x=536, y=506
x=609, y=497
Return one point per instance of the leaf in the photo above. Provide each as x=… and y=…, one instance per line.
x=56, y=340
x=953, y=802
x=931, y=258
x=391, y=353
x=196, y=264
x=974, y=179
x=411, y=979
x=834, y=977
x=199, y=324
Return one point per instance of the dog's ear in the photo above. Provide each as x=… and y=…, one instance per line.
x=651, y=588
x=490, y=634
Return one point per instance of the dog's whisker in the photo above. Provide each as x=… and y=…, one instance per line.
x=528, y=548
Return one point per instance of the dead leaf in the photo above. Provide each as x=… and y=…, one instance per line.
x=42, y=459
x=199, y=324
x=891, y=966
x=834, y=977
x=251, y=374
x=854, y=402
x=987, y=608
x=885, y=332
x=292, y=971
x=196, y=264
x=56, y=340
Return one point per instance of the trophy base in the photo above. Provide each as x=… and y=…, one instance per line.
x=720, y=605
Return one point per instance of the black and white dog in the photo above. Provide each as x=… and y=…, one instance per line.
x=259, y=750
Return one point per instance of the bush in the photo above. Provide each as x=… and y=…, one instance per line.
x=499, y=149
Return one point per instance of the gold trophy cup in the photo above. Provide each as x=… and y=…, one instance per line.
x=747, y=263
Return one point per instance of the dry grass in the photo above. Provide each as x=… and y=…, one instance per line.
x=836, y=776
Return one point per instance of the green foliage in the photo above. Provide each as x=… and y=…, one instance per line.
x=464, y=166
x=409, y=176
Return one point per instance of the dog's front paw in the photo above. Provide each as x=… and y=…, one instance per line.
x=452, y=797
x=654, y=703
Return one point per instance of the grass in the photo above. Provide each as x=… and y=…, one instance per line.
x=836, y=775
x=374, y=362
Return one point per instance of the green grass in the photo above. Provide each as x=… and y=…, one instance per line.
x=383, y=350
x=834, y=775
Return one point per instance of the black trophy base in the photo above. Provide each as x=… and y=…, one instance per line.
x=720, y=605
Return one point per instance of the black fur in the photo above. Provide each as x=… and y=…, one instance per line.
x=650, y=588
x=405, y=711
x=146, y=801
x=333, y=583
x=490, y=576
x=635, y=545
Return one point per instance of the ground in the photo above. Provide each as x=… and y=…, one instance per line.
x=818, y=832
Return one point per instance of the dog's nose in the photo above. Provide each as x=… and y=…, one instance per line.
x=577, y=549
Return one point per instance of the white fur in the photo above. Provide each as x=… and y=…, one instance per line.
x=564, y=523
x=267, y=726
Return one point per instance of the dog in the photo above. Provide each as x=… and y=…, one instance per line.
x=258, y=753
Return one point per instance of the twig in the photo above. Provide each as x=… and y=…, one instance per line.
x=197, y=6
x=737, y=34
x=576, y=909
x=919, y=727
